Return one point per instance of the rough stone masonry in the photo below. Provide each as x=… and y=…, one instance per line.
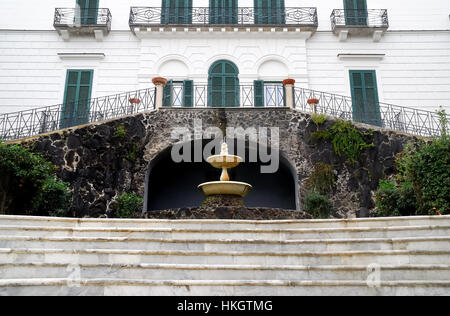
x=101, y=164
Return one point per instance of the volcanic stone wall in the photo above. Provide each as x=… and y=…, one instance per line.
x=102, y=161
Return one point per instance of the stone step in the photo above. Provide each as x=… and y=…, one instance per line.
x=264, y=234
x=223, y=272
x=225, y=224
x=100, y=287
x=114, y=256
x=214, y=245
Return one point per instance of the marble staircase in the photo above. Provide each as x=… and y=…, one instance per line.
x=382, y=256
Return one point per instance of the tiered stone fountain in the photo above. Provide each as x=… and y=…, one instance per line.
x=224, y=192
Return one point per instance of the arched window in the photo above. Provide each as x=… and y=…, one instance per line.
x=223, y=11
x=223, y=84
x=270, y=12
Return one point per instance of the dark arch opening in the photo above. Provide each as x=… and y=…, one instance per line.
x=172, y=185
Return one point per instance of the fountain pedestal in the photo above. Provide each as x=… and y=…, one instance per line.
x=224, y=192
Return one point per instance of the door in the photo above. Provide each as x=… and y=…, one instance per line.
x=269, y=11
x=223, y=11
x=88, y=11
x=176, y=12
x=77, y=98
x=365, y=104
x=355, y=12
x=223, y=85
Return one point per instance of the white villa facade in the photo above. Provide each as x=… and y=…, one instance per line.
x=396, y=52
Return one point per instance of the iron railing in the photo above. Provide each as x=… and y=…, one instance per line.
x=359, y=18
x=47, y=119
x=148, y=16
x=394, y=117
x=51, y=118
x=77, y=17
x=229, y=96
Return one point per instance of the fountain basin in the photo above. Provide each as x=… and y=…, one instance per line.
x=225, y=188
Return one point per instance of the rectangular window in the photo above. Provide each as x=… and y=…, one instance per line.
x=179, y=93
x=269, y=12
x=355, y=12
x=365, y=104
x=268, y=94
x=223, y=11
x=77, y=98
x=87, y=12
x=176, y=12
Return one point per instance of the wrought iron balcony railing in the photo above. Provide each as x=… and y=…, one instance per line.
x=394, y=117
x=376, y=18
x=152, y=16
x=204, y=95
x=51, y=118
x=79, y=18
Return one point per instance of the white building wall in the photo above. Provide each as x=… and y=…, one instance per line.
x=415, y=69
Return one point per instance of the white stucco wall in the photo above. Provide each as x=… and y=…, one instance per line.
x=415, y=69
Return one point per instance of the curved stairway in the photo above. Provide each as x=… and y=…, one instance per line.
x=383, y=256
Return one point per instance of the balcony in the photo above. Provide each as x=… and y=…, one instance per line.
x=359, y=22
x=75, y=21
x=243, y=19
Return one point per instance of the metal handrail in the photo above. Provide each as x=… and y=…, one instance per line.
x=77, y=17
x=51, y=118
x=147, y=16
x=399, y=118
x=359, y=18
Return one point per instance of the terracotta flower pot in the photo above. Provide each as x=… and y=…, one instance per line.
x=313, y=101
x=159, y=81
x=134, y=101
x=288, y=81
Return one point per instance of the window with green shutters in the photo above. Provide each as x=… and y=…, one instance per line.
x=88, y=11
x=365, y=104
x=223, y=85
x=269, y=12
x=77, y=98
x=178, y=93
x=176, y=12
x=223, y=11
x=268, y=93
x=355, y=12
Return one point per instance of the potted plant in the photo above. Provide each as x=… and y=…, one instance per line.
x=134, y=101
x=313, y=103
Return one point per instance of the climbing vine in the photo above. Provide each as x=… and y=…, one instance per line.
x=347, y=140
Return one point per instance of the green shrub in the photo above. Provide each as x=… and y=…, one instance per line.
x=321, y=179
x=318, y=119
x=395, y=201
x=428, y=170
x=23, y=175
x=53, y=200
x=129, y=205
x=319, y=206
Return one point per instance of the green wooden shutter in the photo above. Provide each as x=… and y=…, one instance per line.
x=176, y=12
x=223, y=11
x=188, y=93
x=269, y=11
x=365, y=97
x=258, y=86
x=88, y=11
x=355, y=12
x=167, y=93
x=77, y=98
